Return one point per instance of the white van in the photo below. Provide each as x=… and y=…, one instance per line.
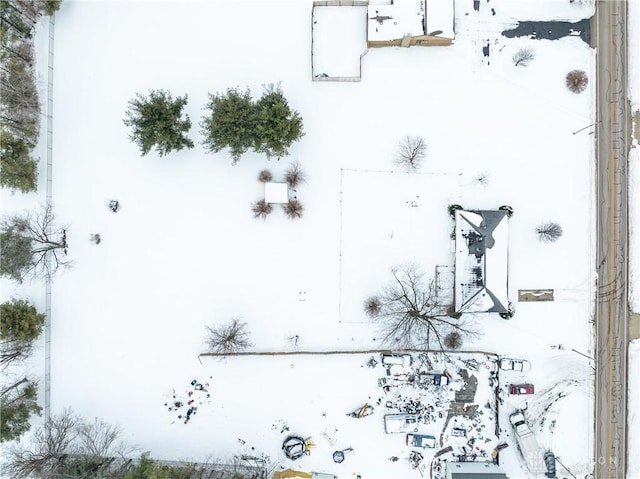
x=394, y=423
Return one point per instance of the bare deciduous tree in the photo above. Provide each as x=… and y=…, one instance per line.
x=261, y=209
x=265, y=176
x=523, y=57
x=293, y=209
x=294, y=175
x=67, y=447
x=411, y=313
x=411, y=152
x=228, y=338
x=42, y=457
x=577, y=81
x=32, y=244
x=549, y=232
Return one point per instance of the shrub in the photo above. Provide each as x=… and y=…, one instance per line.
x=452, y=210
x=577, y=81
x=295, y=175
x=372, y=306
x=261, y=209
x=549, y=232
x=265, y=176
x=453, y=340
x=523, y=57
x=293, y=209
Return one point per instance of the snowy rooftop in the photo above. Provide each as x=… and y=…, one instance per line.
x=276, y=192
x=440, y=18
x=391, y=22
x=407, y=17
x=481, y=261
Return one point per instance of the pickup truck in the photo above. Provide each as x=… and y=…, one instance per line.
x=529, y=448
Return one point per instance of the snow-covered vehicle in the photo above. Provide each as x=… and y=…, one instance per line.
x=394, y=423
x=520, y=365
x=527, y=444
x=430, y=378
x=389, y=359
x=421, y=440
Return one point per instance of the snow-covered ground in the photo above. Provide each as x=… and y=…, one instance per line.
x=184, y=251
x=633, y=408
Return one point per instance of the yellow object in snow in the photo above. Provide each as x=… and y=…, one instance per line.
x=291, y=474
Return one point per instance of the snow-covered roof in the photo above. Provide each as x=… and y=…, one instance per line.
x=440, y=18
x=474, y=470
x=481, y=261
x=276, y=192
x=392, y=22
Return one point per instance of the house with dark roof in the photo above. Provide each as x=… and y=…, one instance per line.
x=474, y=470
x=481, y=247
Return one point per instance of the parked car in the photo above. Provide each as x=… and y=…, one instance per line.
x=550, y=462
x=437, y=379
x=520, y=365
x=404, y=360
x=458, y=432
x=421, y=440
x=516, y=389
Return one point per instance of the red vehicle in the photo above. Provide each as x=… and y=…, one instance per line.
x=515, y=389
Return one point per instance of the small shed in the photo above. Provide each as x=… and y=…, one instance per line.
x=276, y=192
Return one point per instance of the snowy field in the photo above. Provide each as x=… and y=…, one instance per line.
x=184, y=252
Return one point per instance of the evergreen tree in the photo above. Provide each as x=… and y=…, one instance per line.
x=20, y=321
x=230, y=122
x=18, y=171
x=18, y=405
x=277, y=125
x=157, y=121
x=49, y=7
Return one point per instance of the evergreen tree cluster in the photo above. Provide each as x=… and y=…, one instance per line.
x=233, y=120
x=20, y=110
x=20, y=326
x=157, y=121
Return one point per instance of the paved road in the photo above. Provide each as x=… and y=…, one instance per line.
x=612, y=221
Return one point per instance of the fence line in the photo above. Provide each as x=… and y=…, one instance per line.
x=340, y=3
x=47, y=327
x=333, y=353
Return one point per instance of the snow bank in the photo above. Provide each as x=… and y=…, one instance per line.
x=634, y=228
x=633, y=53
x=633, y=409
